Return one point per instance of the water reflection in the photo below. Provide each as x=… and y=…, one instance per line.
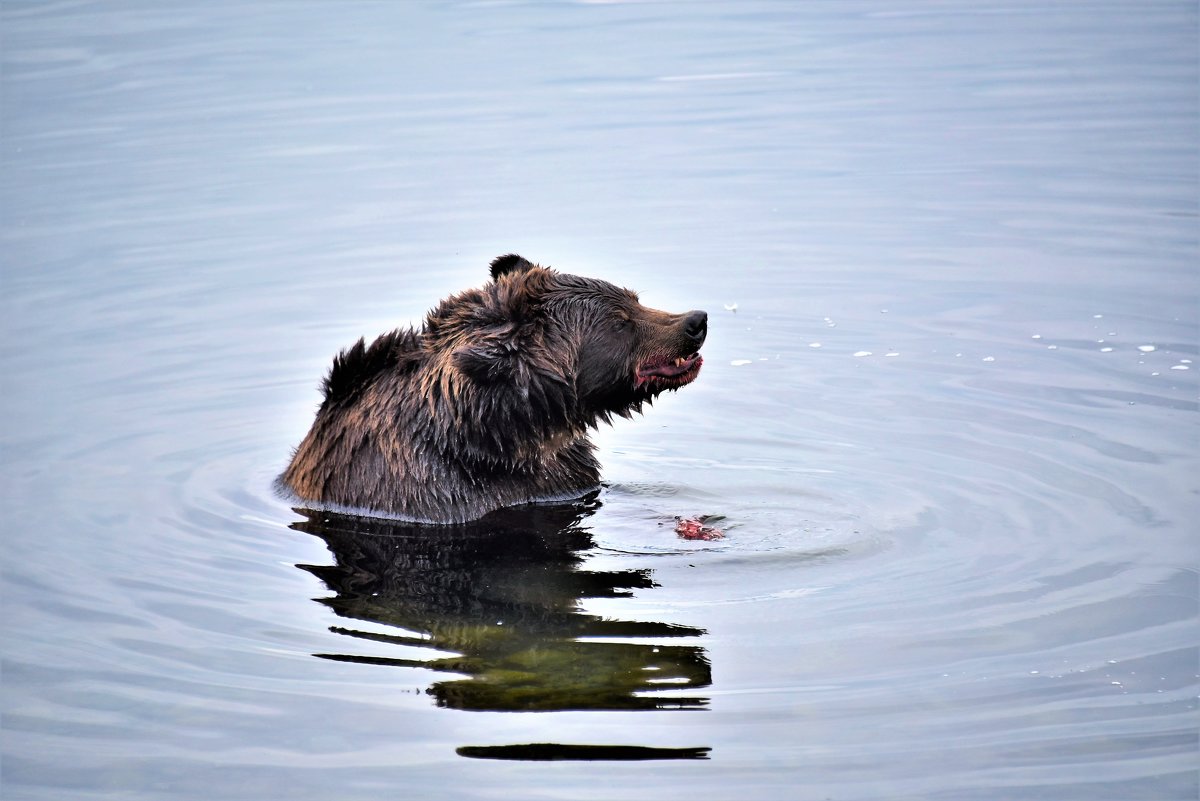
x=503, y=596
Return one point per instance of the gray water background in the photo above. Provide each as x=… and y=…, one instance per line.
x=948, y=410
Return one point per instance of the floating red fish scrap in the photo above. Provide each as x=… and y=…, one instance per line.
x=693, y=528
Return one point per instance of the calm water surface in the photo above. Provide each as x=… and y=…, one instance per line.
x=948, y=412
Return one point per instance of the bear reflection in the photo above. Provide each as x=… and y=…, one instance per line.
x=499, y=599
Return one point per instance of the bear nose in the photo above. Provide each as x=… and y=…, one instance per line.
x=695, y=326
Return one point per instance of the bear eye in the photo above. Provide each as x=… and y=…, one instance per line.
x=623, y=323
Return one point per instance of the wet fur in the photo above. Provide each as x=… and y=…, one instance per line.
x=490, y=402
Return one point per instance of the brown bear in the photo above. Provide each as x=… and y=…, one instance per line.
x=489, y=404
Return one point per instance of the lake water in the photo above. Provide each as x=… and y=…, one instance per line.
x=948, y=412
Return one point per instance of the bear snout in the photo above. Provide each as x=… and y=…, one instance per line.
x=695, y=327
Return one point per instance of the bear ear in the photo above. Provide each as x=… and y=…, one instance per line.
x=512, y=263
x=519, y=391
x=485, y=362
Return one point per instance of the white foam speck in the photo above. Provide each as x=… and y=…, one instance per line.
x=989, y=358
x=1106, y=350
x=740, y=362
x=1036, y=336
x=1052, y=347
x=892, y=353
x=1179, y=367
x=862, y=353
x=814, y=344
x=1146, y=348
x=730, y=307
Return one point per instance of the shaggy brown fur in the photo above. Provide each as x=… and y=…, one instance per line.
x=489, y=404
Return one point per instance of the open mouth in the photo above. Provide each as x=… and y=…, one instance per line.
x=662, y=373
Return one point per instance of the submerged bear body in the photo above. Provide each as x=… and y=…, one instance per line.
x=489, y=404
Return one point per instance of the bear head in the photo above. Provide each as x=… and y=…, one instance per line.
x=540, y=353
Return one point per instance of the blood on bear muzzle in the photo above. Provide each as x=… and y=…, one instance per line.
x=663, y=371
x=660, y=373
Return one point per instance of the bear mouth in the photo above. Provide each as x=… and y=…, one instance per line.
x=659, y=372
